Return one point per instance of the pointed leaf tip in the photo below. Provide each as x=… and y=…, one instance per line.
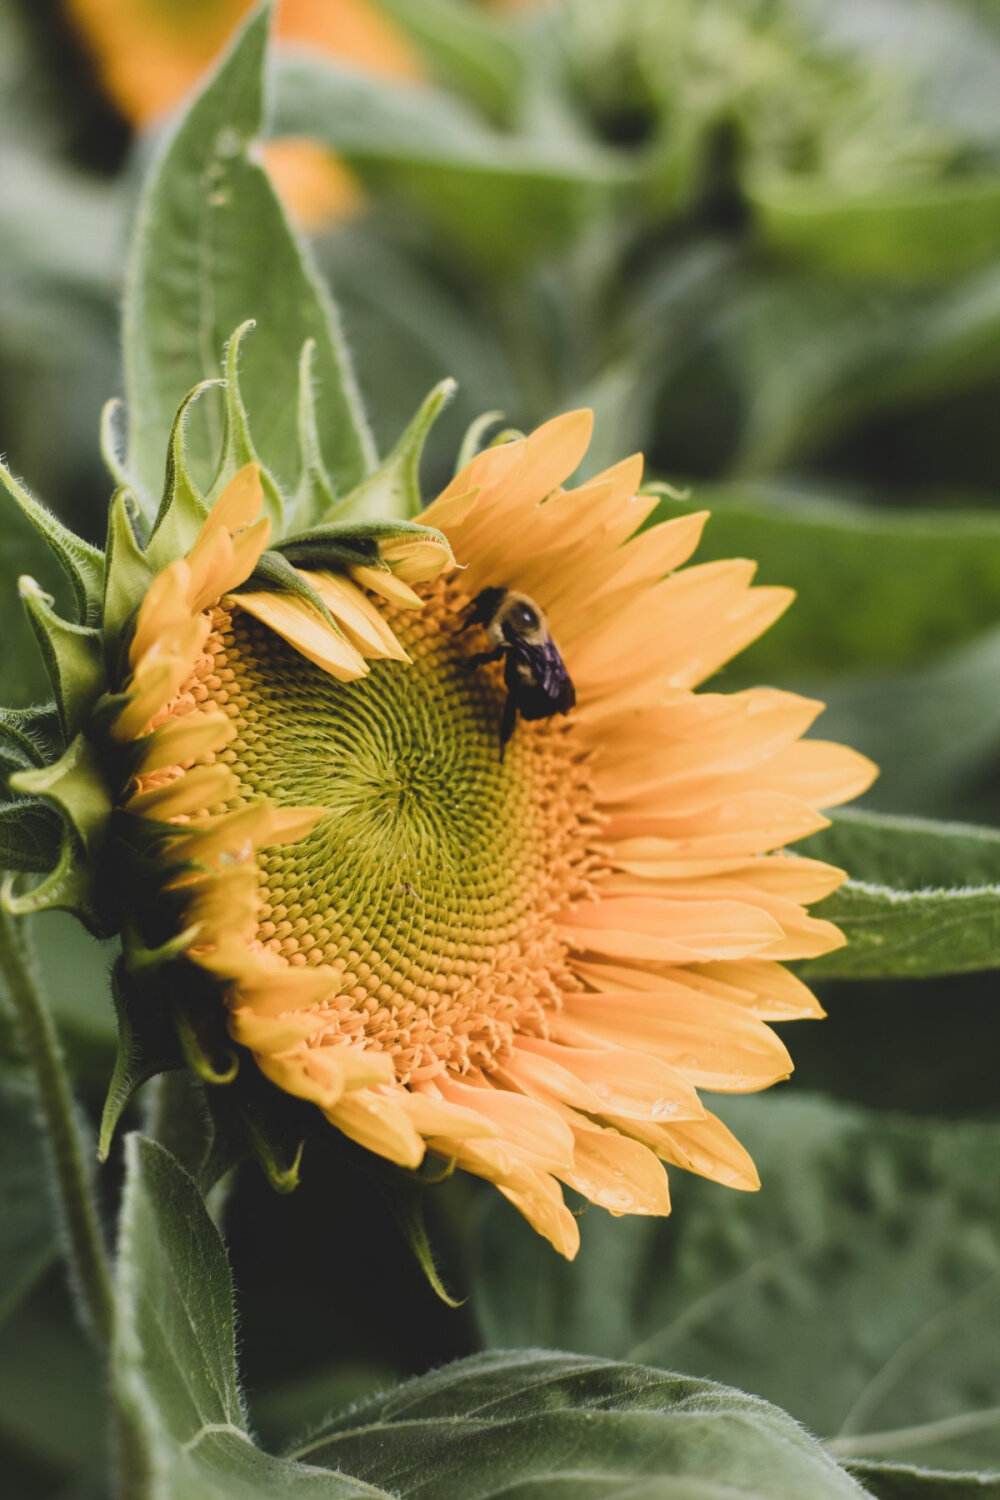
x=82, y=563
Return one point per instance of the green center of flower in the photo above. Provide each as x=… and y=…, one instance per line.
x=432, y=885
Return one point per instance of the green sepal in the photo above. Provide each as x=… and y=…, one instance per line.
x=74, y=785
x=404, y=1194
x=30, y=836
x=254, y=1119
x=275, y=572
x=127, y=573
x=314, y=493
x=507, y=435
x=82, y=563
x=472, y=442
x=337, y=555
x=393, y=491
x=147, y=1041
x=111, y=442
x=198, y=1035
x=70, y=886
x=29, y=737
x=72, y=656
x=183, y=508
x=350, y=544
x=238, y=446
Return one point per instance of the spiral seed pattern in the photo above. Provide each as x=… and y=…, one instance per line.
x=431, y=886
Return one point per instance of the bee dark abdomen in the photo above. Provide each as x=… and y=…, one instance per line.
x=538, y=679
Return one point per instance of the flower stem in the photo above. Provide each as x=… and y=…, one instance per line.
x=87, y=1253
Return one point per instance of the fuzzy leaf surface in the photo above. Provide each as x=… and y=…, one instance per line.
x=175, y=1353
x=859, y=1290
x=209, y=223
x=904, y=1482
x=922, y=898
x=533, y=1424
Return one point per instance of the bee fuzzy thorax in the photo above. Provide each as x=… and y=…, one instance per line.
x=538, y=685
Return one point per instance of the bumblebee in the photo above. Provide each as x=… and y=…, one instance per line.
x=535, y=675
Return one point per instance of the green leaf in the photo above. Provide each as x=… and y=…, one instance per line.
x=859, y=1290
x=782, y=361
x=921, y=898
x=916, y=231
x=465, y=48
x=893, y=588
x=476, y=181
x=528, y=1424
x=904, y=1482
x=209, y=222
x=934, y=730
x=69, y=887
x=174, y=1364
x=294, y=1405
x=28, y=1235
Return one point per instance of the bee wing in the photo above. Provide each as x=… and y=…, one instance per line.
x=551, y=675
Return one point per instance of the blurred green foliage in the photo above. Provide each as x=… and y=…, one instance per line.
x=762, y=239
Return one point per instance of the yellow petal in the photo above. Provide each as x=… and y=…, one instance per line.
x=533, y=1128
x=361, y=622
x=191, y=792
x=764, y=987
x=416, y=559
x=166, y=606
x=273, y=1033
x=235, y=835
x=183, y=739
x=703, y=1146
x=538, y=1198
x=713, y=1044
x=615, y=1172
x=387, y=586
x=378, y=1121
x=442, y=1123
x=599, y=1080
x=652, y=928
x=280, y=989
x=304, y=628
x=553, y=452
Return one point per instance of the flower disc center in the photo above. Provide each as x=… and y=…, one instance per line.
x=432, y=884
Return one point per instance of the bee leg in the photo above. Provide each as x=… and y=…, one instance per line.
x=481, y=657
x=508, y=722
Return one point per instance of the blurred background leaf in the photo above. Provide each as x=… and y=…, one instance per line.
x=858, y=1289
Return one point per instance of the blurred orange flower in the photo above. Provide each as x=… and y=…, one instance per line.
x=149, y=53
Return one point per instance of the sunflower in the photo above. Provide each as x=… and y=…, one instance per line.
x=528, y=964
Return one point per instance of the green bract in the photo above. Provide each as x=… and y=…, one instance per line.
x=62, y=832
